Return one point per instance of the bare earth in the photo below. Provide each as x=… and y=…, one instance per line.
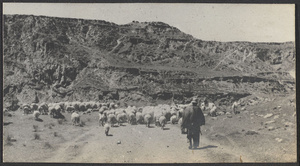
x=225, y=139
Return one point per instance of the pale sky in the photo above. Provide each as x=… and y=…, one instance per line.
x=217, y=22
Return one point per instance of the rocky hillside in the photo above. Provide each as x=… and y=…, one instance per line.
x=63, y=59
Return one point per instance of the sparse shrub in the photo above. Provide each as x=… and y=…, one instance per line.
x=35, y=128
x=36, y=136
x=55, y=134
x=47, y=145
x=88, y=119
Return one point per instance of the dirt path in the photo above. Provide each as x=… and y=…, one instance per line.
x=142, y=144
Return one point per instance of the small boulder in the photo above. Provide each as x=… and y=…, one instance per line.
x=276, y=116
x=269, y=122
x=214, y=118
x=251, y=132
x=229, y=116
x=279, y=140
x=243, y=109
x=268, y=115
x=271, y=128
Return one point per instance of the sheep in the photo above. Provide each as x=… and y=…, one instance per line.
x=183, y=130
x=102, y=109
x=111, y=119
x=167, y=114
x=139, y=118
x=36, y=114
x=102, y=119
x=157, y=114
x=213, y=111
x=34, y=106
x=180, y=121
x=173, y=112
x=131, y=118
x=111, y=105
x=82, y=107
x=54, y=111
x=121, y=118
x=147, y=119
x=26, y=109
x=75, y=118
x=62, y=106
x=70, y=109
x=76, y=105
x=173, y=119
x=43, y=108
x=162, y=121
x=202, y=106
x=106, y=127
x=180, y=113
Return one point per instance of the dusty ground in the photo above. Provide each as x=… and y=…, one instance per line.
x=241, y=138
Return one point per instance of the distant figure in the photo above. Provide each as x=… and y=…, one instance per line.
x=192, y=119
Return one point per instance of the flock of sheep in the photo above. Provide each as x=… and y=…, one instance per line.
x=110, y=114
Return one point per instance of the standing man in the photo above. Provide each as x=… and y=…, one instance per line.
x=192, y=119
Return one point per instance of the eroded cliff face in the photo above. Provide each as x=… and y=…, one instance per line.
x=73, y=59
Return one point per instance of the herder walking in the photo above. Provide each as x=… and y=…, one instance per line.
x=192, y=119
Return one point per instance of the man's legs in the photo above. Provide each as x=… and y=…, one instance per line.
x=196, y=139
x=189, y=137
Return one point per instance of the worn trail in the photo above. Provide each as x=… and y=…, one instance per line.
x=140, y=144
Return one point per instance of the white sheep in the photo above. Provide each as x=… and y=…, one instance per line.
x=54, y=110
x=139, y=118
x=147, y=119
x=75, y=118
x=36, y=114
x=131, y=118
x=162, y=121
x=202, y=106
x=173, y=119
x=180, y=121
x=213, y=111
x=102, y=119
x=102, y=109
x=121, y=118
x=26, y=109
x=70, y=109
x=43, y=108
x=111, y=119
